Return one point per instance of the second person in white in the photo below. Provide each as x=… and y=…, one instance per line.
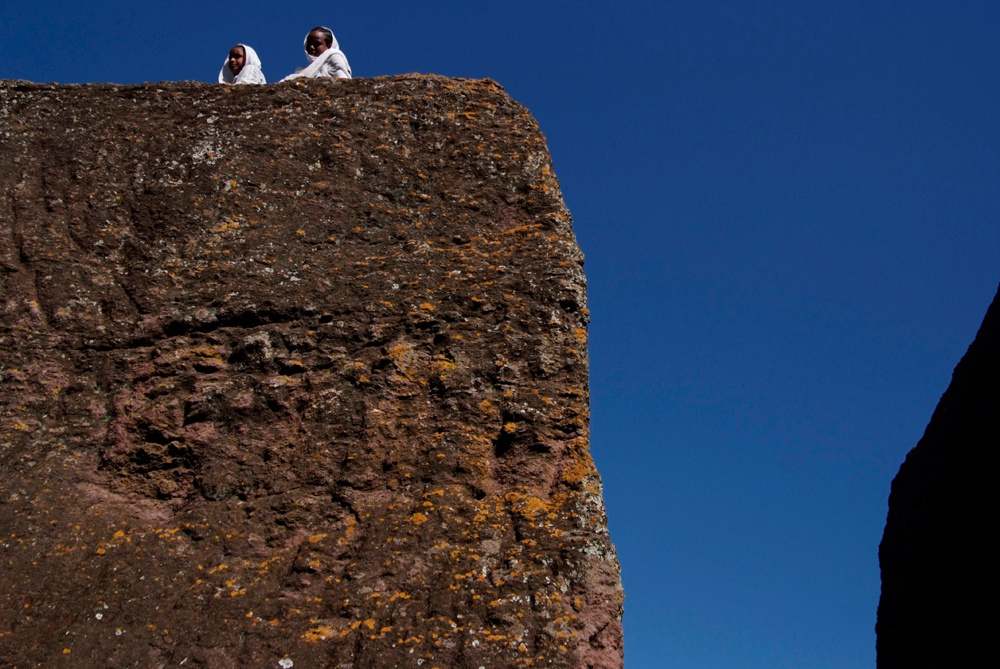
x=325, y=57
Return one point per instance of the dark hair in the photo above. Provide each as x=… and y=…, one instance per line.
x=325, y=31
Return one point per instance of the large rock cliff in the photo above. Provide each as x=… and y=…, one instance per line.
x=940, y=584
x=293, y=375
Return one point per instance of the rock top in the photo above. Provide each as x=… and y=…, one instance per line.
x=938, y=553
x=293, y=375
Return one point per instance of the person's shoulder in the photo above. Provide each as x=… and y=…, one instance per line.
x=337, y=61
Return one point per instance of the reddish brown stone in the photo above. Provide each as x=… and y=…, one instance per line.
x=295, y=371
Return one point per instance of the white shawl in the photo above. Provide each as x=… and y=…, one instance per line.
x=250, y=74
x=331, y=63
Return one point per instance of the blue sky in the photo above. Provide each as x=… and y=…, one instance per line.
x=790, y=216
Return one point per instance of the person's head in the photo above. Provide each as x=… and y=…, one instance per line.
x=237, y=59
x=318, y=41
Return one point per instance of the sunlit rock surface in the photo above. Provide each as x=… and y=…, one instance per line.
x=940, y=583
x=294, y=374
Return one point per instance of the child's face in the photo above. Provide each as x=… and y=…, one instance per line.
x=237, y=59
x=316, y=43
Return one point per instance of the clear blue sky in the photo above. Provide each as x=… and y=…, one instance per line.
x=792, y=225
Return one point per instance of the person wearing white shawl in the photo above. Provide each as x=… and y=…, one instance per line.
x=242, y=66
x=325, y=57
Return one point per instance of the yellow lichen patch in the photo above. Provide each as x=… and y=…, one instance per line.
x=418, y=519
x=532, y=227
x=263, y=566
x=405, y=359
x=316, y=634
x=579, y=470
x=350, y=530
x=168, y=534
x=227, y=226
x=316, y=538
x=441, y=367
x=529, y=506
x=533, y=506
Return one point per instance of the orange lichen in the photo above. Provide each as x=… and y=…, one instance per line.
x=577, y=471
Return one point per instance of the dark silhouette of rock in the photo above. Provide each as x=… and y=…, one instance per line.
x=293, y=375
x=938, y=554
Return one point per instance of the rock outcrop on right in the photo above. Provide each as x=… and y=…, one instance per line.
x=940, y=582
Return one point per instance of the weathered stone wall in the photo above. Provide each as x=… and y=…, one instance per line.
x=940, y=579
x=294, y=372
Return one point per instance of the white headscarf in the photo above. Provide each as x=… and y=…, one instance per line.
x=324, y=65
x=250, y=74
x=333, y=44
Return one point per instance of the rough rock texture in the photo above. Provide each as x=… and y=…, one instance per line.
x=293, y=373
x=940, y=582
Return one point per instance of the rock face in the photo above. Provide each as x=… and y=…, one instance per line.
x=293, y=375
x=940, y=584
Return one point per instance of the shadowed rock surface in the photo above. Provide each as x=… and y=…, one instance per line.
x=295, y=372
x=940, y=583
